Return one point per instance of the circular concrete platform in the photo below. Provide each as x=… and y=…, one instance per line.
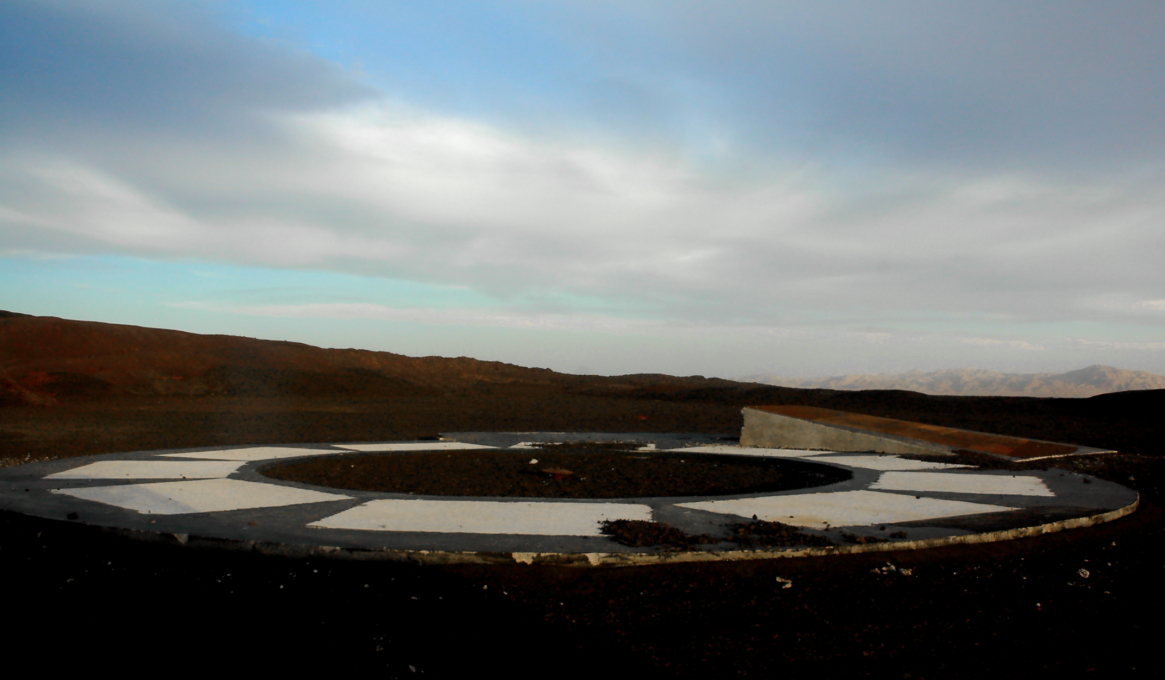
x=218, y=497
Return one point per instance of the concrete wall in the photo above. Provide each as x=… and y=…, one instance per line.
x=770, y=430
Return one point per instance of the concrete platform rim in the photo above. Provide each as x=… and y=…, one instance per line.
x=578, y=558
x=606, y=559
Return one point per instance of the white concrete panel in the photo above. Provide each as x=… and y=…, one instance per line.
x=149, y=469
x=843, y=508
x=962, y=483
x=256, y=453
x=751, y=451
x=483, y=517
x=213, y=495
x=889, y=463
x=415, y=446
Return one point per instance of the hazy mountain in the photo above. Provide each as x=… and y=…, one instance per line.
x=1085, y=382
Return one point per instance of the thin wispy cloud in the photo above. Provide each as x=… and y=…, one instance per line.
x=458, y=317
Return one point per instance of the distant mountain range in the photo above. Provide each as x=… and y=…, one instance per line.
x=1085, y=382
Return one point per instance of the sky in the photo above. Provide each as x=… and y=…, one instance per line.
x=693, y=188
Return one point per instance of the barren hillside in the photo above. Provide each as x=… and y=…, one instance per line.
x=46, y=359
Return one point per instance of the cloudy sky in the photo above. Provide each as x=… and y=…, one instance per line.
x=722, y=188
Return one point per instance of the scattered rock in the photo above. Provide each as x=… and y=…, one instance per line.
x=642, y=533
x=557, y=473
x=854, y=538
x=762, y=534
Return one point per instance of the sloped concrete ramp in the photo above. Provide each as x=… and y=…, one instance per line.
x=809, y=427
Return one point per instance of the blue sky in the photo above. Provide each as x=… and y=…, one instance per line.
x=690, y=188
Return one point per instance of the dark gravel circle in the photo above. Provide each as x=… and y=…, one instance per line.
x=594, y=473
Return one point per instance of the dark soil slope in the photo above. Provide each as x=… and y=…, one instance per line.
x=46, y=359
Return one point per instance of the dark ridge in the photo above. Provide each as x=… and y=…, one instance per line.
x=1136, y=399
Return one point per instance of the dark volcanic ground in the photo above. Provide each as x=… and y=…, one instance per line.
x=1006, y=609
x=556, y=472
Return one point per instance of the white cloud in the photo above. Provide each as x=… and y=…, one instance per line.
x=442, y=171
x=402, y=193
x=460, y=317
x=1009, y=344
x=1121, y=345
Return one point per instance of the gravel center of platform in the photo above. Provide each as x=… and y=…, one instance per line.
x=595, y=472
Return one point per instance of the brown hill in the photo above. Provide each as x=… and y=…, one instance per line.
x=45, y=359
x=1085, y=382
